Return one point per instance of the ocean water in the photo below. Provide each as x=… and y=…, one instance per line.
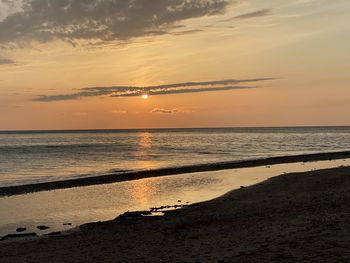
x=93, y=203
x=41, y=156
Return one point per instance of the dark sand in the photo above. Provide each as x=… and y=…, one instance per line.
x=301, y=217
x=135, y=175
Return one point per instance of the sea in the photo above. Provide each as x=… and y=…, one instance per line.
x=29, y=157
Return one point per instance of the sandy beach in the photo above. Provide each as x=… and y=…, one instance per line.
x=300, y=217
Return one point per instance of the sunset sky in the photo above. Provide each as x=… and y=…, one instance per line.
x=85, y=64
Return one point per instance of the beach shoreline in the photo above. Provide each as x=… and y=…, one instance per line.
x=296, y=217
x=135, y=175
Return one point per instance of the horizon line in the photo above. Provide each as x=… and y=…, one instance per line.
x=174, y=128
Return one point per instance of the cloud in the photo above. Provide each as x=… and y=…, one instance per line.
x=187, y=32
x=171, y=111
x=167, y=89
x=8, y=7
x=6, y=61
x=100, y=20
x=164, y=111
x=259, y=13
x=119, y=112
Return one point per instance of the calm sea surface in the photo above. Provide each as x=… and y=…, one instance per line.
x=30, y=157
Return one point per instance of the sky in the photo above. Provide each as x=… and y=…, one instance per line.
x=121, y=64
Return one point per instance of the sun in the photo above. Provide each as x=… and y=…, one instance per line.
x=144, y=96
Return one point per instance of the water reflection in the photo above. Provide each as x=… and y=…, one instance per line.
x=141, y=191
x=144, y=151
x=147, y=165
x=145, y=141
x=75, y=205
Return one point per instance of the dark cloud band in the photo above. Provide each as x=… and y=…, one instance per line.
x=168, y=89
x=259, y=13
x=101, y=20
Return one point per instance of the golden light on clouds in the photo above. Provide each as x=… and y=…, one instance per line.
x=263, y=63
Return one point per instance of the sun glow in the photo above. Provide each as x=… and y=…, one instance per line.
x=144, y=96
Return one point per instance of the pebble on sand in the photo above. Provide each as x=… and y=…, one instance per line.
x=42, y=227
x=21, y=229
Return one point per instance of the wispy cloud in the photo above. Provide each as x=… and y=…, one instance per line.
x=187, y=32
x=258, y=13
x=119, y=111
x=164, y=111
x=167, y=89
x=102, y=20
x=170, y=111
x=6, y=61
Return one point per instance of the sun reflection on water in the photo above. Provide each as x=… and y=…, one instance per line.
x=142, y=191
x=143, y=151
x=145, y=141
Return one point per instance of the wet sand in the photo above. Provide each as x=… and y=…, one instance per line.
x=135, y=175
x=300, y=217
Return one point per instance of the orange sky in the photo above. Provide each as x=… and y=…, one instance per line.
x=301, y=44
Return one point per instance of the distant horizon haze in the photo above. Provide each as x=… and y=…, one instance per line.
x=179, y=128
